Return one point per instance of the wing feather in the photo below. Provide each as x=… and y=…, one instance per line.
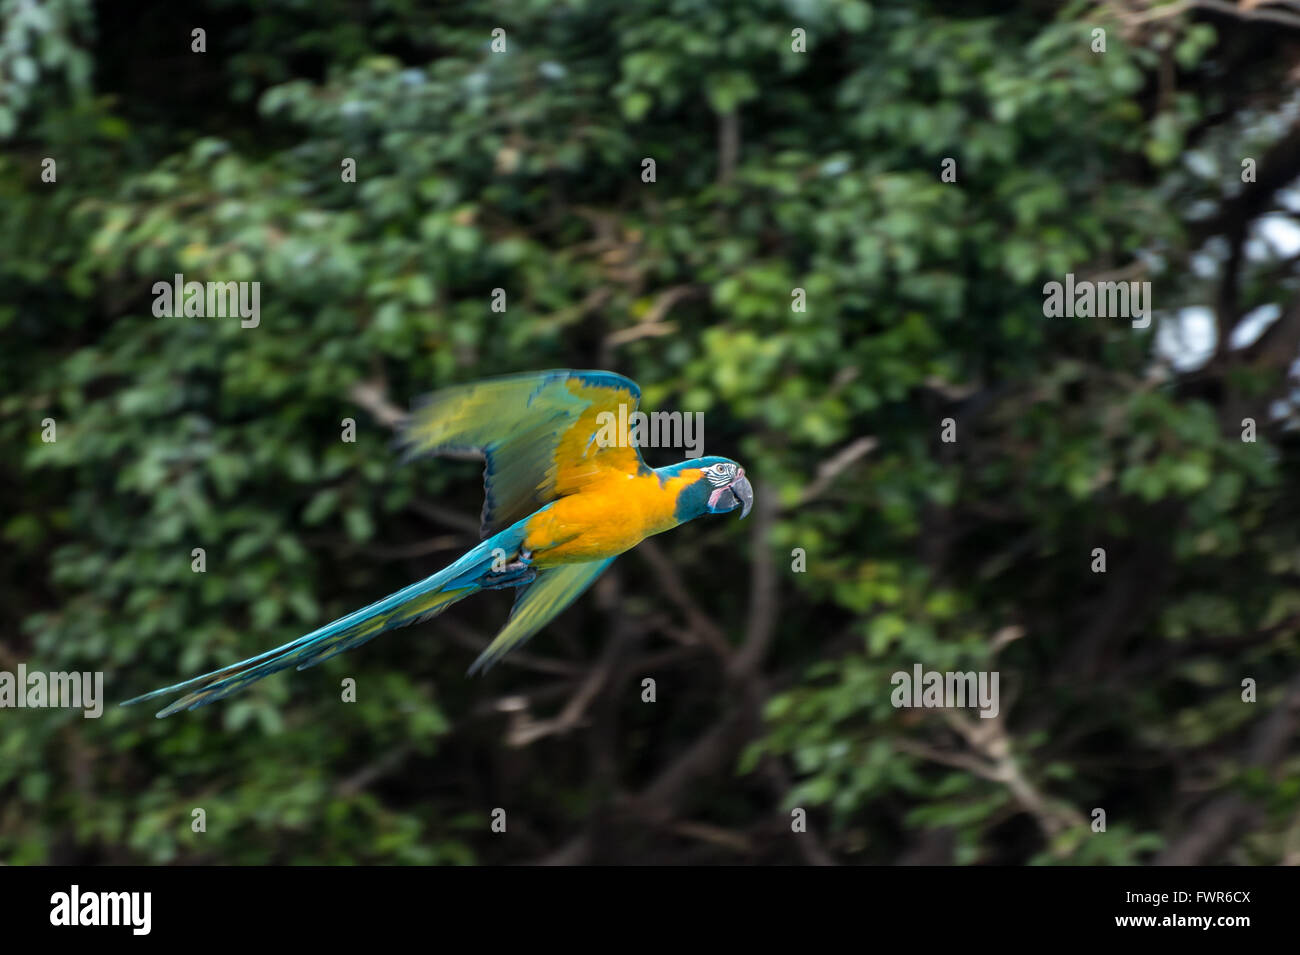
x=538, y=433
x=539, y=603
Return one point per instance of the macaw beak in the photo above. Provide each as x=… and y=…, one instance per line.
x=736, y=494
x=743, y=493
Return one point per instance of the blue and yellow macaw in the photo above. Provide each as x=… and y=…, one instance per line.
x=566, y=493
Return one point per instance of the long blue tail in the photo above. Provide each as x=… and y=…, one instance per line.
x=420, y=601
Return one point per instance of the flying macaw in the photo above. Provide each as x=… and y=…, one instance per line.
x=562, y=501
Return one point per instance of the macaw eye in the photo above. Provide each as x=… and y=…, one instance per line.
x=719, y=473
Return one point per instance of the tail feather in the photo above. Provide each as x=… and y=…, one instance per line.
x=420, y=601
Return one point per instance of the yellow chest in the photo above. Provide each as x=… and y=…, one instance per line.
x=605, y=518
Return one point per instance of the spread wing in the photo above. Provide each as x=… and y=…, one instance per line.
x=543, y=435
x=537, y=604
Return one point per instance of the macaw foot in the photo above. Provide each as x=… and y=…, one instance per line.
x=514, y=574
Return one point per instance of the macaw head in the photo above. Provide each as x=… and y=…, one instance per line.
x=721, y=487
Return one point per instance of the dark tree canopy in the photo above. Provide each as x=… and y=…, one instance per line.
x=937, y=464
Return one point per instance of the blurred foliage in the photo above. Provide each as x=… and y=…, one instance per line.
x=521, y=170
